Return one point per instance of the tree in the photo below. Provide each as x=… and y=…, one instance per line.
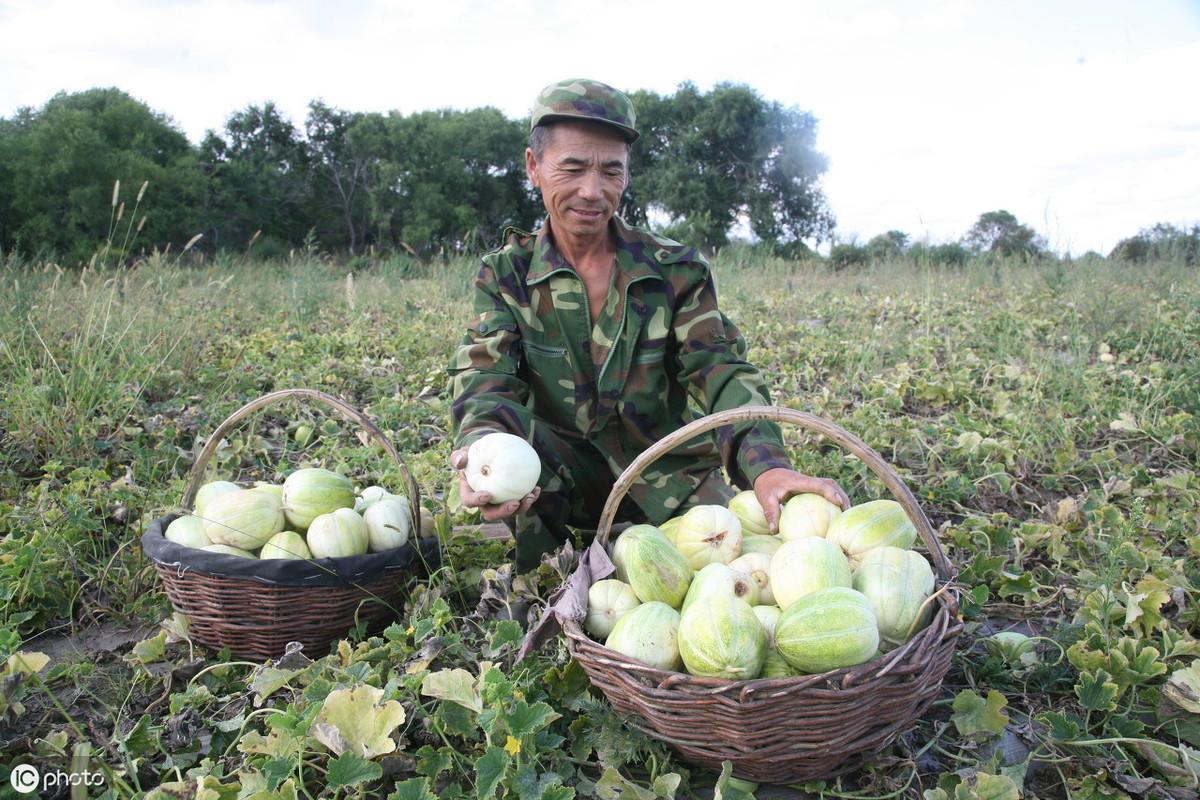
x=710, y=161
x=460, y=178
x=258, y=179
x=347, y=151
x=61, y=164
x=999, y=233
x=1162, y=241
x=887, y=246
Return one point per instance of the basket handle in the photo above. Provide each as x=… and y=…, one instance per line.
x=348, y=411
x=809, y=422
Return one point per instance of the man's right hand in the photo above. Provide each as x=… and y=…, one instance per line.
x=482, y=500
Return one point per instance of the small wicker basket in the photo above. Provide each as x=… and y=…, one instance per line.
x=784, y=730
x=256, y=608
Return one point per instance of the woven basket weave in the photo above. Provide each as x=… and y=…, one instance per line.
x=782, y=730
x=256, y=612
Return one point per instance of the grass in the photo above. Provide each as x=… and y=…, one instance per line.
x=1046, y=416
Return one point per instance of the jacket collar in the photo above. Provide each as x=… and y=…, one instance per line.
x=634, y=259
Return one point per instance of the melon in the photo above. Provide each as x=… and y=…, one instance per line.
x=608, y=601
x=655, y=569
x=864, y=527
x=758, y=567
x=803, y=566
x=709, y=534
x=761, y=544
x=211, y=490
x=286, y=544
x=649, y=634
x=720, y=637
x=338, y=534
x=505, y=466
x=806, y=515
x=188, y=531
x=775, y=666
x=621, y=546
x=244, y=518
x=308, y=493
x=670, y=528
x=897, y=582
x=723, y=579
x=769, y=617
x=389, y=523
x=749, y=512
x=826, y=630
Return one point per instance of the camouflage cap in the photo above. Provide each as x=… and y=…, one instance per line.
x=580, y=98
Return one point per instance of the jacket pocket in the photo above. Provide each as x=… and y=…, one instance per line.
x=534, y=350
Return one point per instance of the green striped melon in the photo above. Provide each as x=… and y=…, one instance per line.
x=722, y=578
x=826, y=630
x=897, y=582
x=879, y=523
x=650, y=634
x=720, y=637
x=655, y=569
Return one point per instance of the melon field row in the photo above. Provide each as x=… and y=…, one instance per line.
x=1045, y=417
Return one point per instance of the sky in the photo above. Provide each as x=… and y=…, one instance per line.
x=1078, y=116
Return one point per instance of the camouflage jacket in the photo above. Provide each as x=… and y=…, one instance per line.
x=527, y=360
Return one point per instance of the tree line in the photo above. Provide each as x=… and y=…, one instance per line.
x=441, y=181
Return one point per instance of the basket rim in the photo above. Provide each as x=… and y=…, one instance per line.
x=327, y=572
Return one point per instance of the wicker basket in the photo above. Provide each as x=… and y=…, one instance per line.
x=784, y=730
x=256, y=608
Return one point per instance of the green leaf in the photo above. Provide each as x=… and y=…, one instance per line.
x=667, y=784
x=432, y=763
x=508, y=633
x=412, y=789
x=148, y=650
x=356, y=721
x=524, y=719
x=1096, y=691
x=276, y=770
x=266, y=680
x=1063, y=728
x=489, y=770
x=349, y=769
x=975, y=717
x=731, y=788
x=455, y=685
x=141, y=740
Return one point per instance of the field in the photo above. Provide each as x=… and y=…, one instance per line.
x=1045, y=414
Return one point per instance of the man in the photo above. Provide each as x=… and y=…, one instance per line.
x=588, y=338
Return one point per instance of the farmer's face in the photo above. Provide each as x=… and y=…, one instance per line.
x=582, y=173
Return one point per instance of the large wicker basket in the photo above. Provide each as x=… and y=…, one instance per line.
x=256, y=608
x=785, y=730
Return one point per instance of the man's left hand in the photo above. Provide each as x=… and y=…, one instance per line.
x=775, y=486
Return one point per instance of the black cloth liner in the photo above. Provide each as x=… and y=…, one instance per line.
x=285, y=571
